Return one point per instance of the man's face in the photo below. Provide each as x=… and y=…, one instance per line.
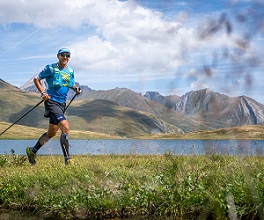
x=64, y=58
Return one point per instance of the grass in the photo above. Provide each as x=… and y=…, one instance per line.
x=248, y=132
x=111, y=186
x=20, y=132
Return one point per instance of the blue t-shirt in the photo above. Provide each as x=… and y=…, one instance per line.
x=59, y=81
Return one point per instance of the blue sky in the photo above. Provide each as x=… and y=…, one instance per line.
x=171, y=47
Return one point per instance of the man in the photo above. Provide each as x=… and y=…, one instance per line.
x=59, y=77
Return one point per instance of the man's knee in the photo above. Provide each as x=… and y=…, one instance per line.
x=51, y=134
x=64, y=127
x=66, y=130
x=52, y=130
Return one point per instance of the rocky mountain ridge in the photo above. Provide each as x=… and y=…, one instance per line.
x=88, y=114
x=196, y=110
x=169, y=101
x=219, y=110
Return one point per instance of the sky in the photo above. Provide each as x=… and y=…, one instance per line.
x=169, y=46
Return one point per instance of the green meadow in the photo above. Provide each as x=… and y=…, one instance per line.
x=125, y=186
x=134, y=187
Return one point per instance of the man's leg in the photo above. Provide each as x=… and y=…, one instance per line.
x=31, y=151
x=64, y=141
x=52, y=130
x=41, y=141
x=45, y=137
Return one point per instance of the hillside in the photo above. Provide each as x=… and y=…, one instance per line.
x=128, y=98
x=249, y=132
x=108, y=117
x=196, y=110
x=214, y=109
x=169, y=101
x=14, y=103
x=220, y=110
x=20, y=132
x=101, y=116
x=123, y=112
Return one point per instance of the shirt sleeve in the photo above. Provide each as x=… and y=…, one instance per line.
x=46, y=72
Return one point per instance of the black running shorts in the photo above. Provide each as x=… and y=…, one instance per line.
x=54, y=111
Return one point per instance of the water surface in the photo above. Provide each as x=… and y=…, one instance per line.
x=152, y=147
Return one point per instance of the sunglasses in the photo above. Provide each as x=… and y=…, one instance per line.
x=67, y=55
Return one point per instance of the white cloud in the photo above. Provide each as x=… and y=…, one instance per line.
x=129, y=38
x=133, y=40
x=42, y=13
x=200, y=84
x=120, y=41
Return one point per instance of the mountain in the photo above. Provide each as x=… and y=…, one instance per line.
x=14, y=103
x=248, y=132
x=219, y=110
x=5, y=85
x=169, y=101
x=128, y=98
x=108, y=117
x=101, y=116
x=29, y=86
x=196, y=110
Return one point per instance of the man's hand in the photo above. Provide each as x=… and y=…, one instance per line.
x=77, y=90
x=45, y=96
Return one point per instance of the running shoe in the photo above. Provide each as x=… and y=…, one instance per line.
x=69, y=161
x=31, y=156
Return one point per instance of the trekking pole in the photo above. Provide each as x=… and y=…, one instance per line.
x=69, y=103
x=22, y=117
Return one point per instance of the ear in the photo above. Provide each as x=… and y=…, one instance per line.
x=58, y=56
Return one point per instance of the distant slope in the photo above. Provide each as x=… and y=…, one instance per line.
x=107, y=117
x=133, y=100
x=91, y=115
x=169, y=101
x=249, y=132
x=196, y=110
x=219, y=110
x=25, y=132
x=214, y=109
x=14, y=103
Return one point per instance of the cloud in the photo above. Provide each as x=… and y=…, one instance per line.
x=198, y=85
x=42, y=13
x=128, y=38
x=114, y=41
x=132, y=39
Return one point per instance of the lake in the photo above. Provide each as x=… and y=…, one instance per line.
x=152, y=147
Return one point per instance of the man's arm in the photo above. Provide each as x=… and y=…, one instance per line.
x=44, y=95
